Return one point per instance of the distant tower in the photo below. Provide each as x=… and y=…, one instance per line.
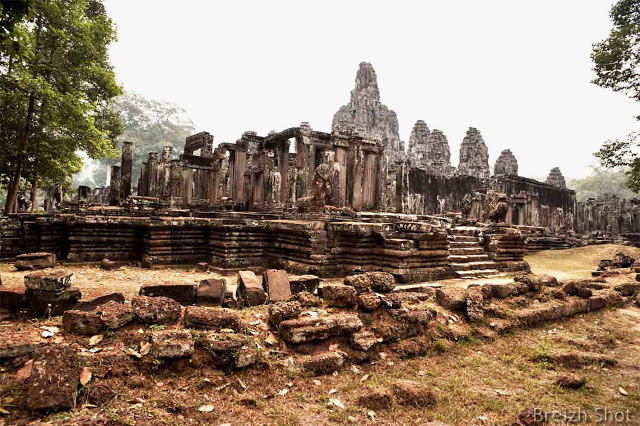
x=474, y=155
x=367, y=117
x=555, y=178
x=429, y=150
x=506, y=164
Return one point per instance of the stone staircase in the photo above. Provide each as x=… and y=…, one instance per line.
x=467, y=256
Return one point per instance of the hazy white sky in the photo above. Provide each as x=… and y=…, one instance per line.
x=518, y=71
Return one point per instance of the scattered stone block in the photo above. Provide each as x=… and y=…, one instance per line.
x=82, y=322
x=382, y=282
x=475, y=304
x=250, y=291
x=109, y=265
x=390, y=301
x=315, y=329
x=31, y=261
x=453, y=299
x=54, y=378
x=276, y=282
x=172, y=344
x=185, y=294
x=627, y=289
x=229, y=351
x=573, y=288
x=364, y=340
x=281, y=311
x=229, y=302
x=116, y=315
x=52, y=302
x=49, y=281
x=156, y=310
x=13, y=300
x=307, y=300
x=212, y=318
x=408, y=392
x=339, y=296
x=211, y=292
x=302, y=283
x=202, y=267
x=96, y=302
x=376, y=398
x=368, y=302
x=360, y=282
x=14, y=344
x=324, y=363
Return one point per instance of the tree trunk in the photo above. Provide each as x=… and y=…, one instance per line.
x=34, y=192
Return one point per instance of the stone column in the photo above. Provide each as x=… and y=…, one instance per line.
x=144, y=180
x=152, y=175
x=126, y=170
x=83, y=193
x=358, y=172
x=239, y=169
x=369, y=182
x=114, y=190
x=283, y=165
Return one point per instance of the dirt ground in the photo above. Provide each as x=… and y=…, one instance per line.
x=477, y=382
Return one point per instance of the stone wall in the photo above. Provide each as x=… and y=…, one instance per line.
x=608, y=215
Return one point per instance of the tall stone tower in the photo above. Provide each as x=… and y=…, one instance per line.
x=367, y=117
x=474, y=155
x=429, y=150
x=556, y=179
x=506, y=164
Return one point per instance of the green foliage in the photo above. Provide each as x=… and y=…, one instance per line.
x=56, y=89
x=617, y=66
x=150, y=124
x=601, y=182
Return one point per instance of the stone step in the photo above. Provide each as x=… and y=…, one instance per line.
x=471, y=266
x=466, y=251
x=464, y=238
x=466, y=230
x=477, y=273
x=463, y=244
x=458, y=258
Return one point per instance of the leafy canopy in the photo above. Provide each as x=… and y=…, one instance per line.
x=617, y=66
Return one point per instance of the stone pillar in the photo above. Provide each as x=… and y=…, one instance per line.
x=187, y=189
x=239, y=169
x=152, y=175
x=176, y=186
x=340, y=192
x=283, y=165
x=83, y=194
x=114, y=190
x=358, y=172
x=126, y=170
x=167, y=153
x=369, y=182
x=144, y=180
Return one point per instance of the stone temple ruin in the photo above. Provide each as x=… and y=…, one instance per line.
x=327, y=203
x=295, y=205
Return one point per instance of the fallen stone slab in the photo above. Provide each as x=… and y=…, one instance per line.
x=172, y=344
x=573, y=288
x=315, y=329
x=453, y=298
x=82, y=322
x=339, y=296
x=52, y=302
x=324, y=363
x=368, y=302
x=13, y=300
x=375, y=398
x=408, y=392
x=212, y=318
x=229, y=302
x=156, y=310
x=276, y=283
x=390, y=301
x=94, y=303
x=301, y=283
x=281, y=311
x=627, y=289
x=49, y=281
x=307, y=300
x=382, y=282
x=115, y=315
x=229, y=351
x=31, y=261
x=184, y=294
x=211, y=292
x=250, y=291
x=54, y=378
x=14, y=344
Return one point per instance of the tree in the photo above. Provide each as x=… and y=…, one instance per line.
x=617, y=67
x=150, y=125
x=601, y=182
x=56, y=91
